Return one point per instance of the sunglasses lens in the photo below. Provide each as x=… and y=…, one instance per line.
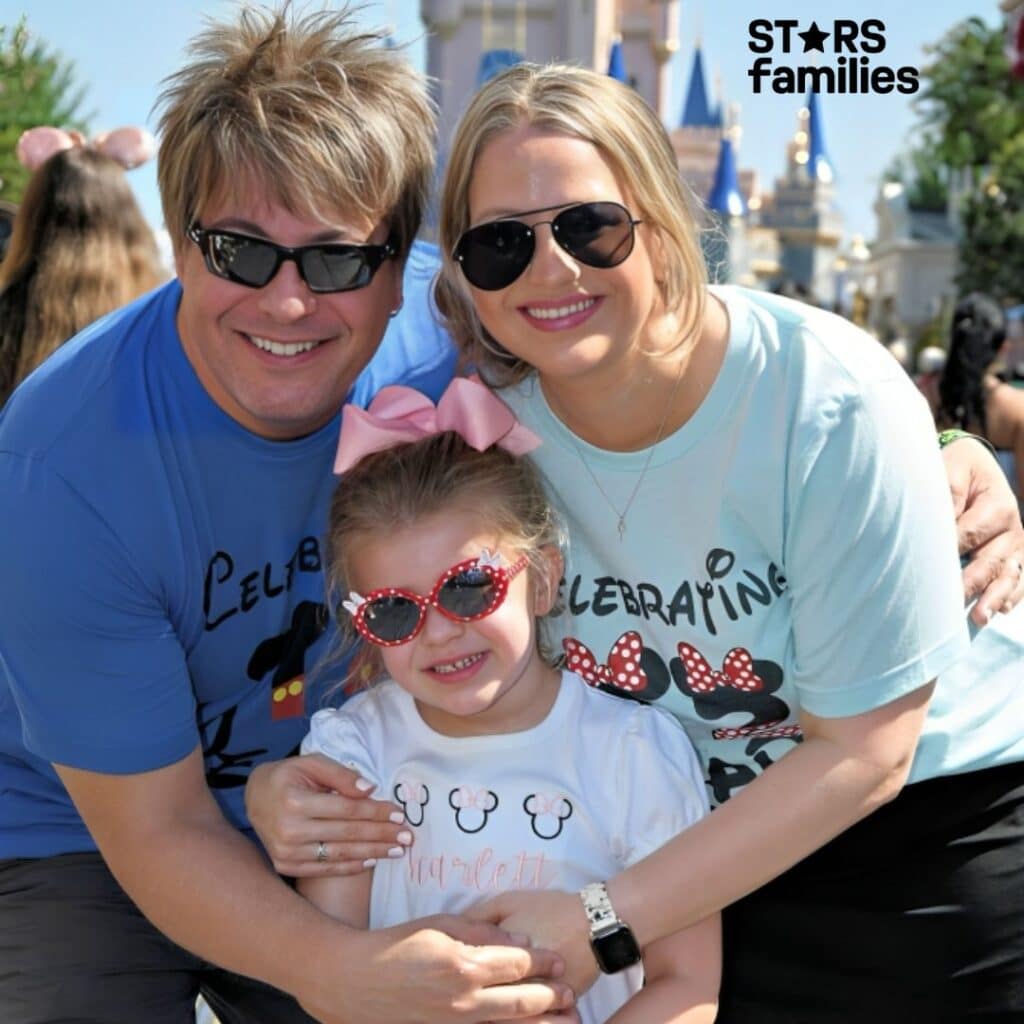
x=391, y=618
x=248, y=261
x=468, y=593
x=336, y=268
x=493, y=255
x=597, y=234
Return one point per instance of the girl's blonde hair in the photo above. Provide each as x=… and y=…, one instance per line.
x=628, y=134
x=400, y=486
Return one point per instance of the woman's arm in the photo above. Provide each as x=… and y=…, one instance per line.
x=682, y=974
x=844, y=769
x=988, y=526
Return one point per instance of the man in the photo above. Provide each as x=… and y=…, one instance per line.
x=163, y=487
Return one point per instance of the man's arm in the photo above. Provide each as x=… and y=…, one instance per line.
x=209, y=889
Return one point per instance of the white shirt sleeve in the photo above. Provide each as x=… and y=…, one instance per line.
x=660, y=786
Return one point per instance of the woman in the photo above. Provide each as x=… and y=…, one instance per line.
x=971, y=395
x=80, y=246
x=759, y=543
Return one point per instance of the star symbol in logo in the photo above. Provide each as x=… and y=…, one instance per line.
x=814, y=38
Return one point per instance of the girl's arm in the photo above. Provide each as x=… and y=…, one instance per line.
x=344, y=897
x=681, y=978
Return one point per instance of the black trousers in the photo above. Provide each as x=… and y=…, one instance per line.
x=913, y=916
x=74, y=948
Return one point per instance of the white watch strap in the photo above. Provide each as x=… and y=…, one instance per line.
x=598, y=906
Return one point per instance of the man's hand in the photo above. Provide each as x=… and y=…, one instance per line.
x=989, y=527
x=297, y=804
x=440, y=970
x=552, y=920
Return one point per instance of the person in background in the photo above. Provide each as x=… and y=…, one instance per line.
x=972, y=394
x=80, y=246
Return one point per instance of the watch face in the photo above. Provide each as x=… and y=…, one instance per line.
x=616, y=949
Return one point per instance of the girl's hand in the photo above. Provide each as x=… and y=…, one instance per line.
x=989, y=527
x=296, y=804
x=552, y=920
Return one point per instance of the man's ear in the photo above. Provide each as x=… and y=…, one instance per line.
x=547, y=579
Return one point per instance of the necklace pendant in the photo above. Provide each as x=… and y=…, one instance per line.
x=622, y=527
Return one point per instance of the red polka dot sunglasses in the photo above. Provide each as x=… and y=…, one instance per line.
x=466, y=592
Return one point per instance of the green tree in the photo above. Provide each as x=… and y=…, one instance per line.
x=37, y=86
x=973, y=110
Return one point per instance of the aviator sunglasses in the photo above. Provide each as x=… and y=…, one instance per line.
x=253, y=262
x=494, y=254
x=466, y=592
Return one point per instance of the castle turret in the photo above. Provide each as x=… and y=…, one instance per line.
x=819, y=166
x=617, y=62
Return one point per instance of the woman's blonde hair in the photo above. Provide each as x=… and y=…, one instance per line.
x=628, y=134
x=400, y=486
x=310, y=108
x=80, y=248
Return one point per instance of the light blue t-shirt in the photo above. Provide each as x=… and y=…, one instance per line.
x=791, y=546
x=161, y=581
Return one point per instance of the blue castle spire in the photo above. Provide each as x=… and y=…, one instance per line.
x=726, y=197
x=493, y=62
x=617, y=63
x=697, y=111
x=819, y=166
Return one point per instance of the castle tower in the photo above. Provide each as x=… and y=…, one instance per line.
x=803, y=211
x=724, y=242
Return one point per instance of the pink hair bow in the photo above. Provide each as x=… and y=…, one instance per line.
x=128, y=146
x=399, y=414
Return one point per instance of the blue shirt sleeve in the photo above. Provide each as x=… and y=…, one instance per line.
x=416, y=351
x=96, y=670
x=871, y=555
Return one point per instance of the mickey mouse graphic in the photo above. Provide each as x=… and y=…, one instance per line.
x=547, y=814
x=472, y=807
x=413, y=798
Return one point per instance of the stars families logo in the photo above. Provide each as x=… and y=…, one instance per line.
x=845, y=67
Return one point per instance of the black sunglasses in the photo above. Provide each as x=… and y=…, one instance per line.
x=331, y=267
x=494, y=254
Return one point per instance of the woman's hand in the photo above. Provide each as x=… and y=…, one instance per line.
x=989, y=527
x=297, y=804
x=439, y=970
x=551, y=920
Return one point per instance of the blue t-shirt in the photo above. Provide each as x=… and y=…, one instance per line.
x=789, y=548
x=162, y=576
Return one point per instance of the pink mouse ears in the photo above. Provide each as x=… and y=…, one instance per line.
x=129, y=146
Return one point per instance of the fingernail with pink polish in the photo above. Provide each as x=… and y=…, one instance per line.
x=396, y=851
x=405, y=838
x=364, y=785
x=369, y=863
x=398, y=817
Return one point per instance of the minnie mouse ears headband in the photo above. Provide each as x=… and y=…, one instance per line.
x=127, y=146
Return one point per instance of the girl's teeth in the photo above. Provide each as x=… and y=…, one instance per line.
x=278, y=348
x=456, y=666
x=553, y=313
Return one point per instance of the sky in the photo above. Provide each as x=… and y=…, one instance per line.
x=123, y=48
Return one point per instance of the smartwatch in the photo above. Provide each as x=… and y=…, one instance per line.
x=614, y=945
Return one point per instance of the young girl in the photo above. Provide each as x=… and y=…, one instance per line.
x=513, y=775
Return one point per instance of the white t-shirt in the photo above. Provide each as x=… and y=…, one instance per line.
x=790, y=546
x=597, y=785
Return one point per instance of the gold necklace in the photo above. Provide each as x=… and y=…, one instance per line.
x=621, y=516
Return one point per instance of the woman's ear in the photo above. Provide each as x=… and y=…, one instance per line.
x=547, y=579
